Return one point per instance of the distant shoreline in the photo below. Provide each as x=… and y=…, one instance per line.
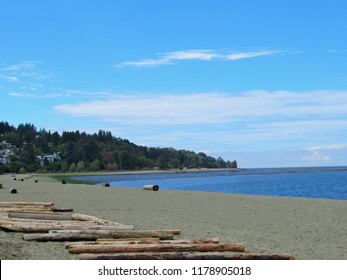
x=67, y=176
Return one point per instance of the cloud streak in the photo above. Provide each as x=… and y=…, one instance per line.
x=9, y=78
x=203, y=55
x=212, y=108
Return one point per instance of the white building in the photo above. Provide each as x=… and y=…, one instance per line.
x=48, y=158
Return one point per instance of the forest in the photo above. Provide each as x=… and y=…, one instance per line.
x=26, y=149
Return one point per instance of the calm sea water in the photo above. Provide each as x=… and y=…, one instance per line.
x=329, y=182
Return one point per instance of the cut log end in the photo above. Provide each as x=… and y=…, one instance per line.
x=151, y=187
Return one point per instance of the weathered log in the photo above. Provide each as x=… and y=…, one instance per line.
x=46, y=227
x=84, y=217
x=184, y=256
x=171, y=231
x=41, y=216
x=63, y=216
x=32, y=203
x=142, y=241
x=129, y=239
x=151, y=187
x=156, y=248
x=6, y=221
x=76, y=235
x=25, y=209
x=214, y=240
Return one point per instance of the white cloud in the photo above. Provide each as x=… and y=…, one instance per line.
x=16, y=94
x=214, y=108
x=38, y=96
x=20, y=66
x=316, y=156
x=9, y=78
x=327, y=147
x=247, y=120
x=171, y=57
x=243, y=55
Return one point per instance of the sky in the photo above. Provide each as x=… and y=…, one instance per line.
x=260, y=82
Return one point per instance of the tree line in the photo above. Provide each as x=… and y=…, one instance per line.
x=79, y=151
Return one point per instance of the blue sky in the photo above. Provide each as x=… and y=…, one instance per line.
x=261, y=82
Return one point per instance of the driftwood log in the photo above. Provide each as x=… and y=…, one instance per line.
x=46, y=227
x=78, y=235
x=128, y=239
x=18, y=204
x=60, y=216
x=25, y=209
x=141, y=241
x=84, y=217
x=40, y=216
x=107, y=248
x=26, y=203
x=151, y=187
x=184, y=256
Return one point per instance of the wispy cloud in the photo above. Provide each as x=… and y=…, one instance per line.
x=212, y=107
x=327, y=147
x=9, y=78
x=238, y=121
x=20, y=66
x=38, y=96
x=317, y=156
x=243, y=55
x=321, y=153
x=205, y=55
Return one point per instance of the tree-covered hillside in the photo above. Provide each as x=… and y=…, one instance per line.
x=26, y=149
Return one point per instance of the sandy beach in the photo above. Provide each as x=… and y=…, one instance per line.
x=307, y=228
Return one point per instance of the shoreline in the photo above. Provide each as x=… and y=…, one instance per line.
x=306, y=228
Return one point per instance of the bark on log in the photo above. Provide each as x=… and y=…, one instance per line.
x=46, y=227
x=156, y=248
x=129, y=242
x=184, y=256
x=62, y=209
x=76, y=235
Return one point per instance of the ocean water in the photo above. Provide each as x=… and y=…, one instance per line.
x=328, y=182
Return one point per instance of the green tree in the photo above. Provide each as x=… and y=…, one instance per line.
x=72, y=167
x=81, y=166
x=95, y=165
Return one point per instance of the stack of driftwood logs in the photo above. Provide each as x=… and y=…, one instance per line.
x=99, y=239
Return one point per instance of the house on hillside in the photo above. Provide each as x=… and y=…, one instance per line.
x=48, y=158
x=4, y=155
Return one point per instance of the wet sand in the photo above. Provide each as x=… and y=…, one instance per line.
x=307, y=228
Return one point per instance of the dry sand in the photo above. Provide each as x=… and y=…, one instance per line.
x=306, y=228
